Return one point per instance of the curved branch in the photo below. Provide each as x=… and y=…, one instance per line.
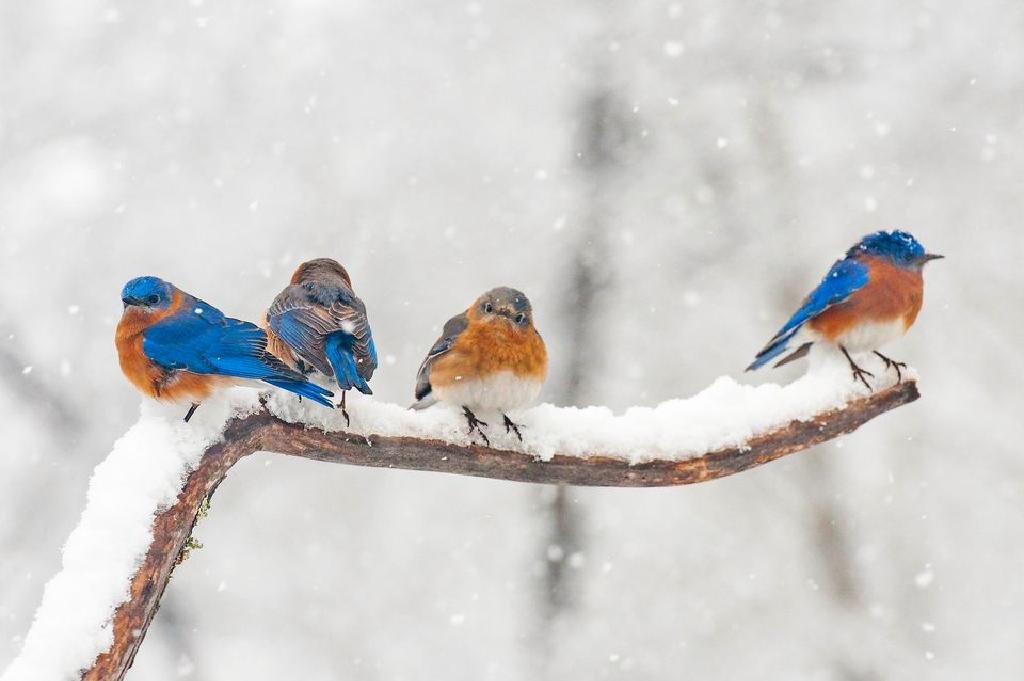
x=264, y=432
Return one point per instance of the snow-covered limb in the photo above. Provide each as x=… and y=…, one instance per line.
x=145, y=498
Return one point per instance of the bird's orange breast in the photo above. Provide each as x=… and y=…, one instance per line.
x=137, y=368
x=892, y=293
x=486, y=348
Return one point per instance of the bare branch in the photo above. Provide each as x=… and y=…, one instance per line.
x=264, y=432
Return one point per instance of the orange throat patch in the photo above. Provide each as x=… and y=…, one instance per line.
x=487, y=348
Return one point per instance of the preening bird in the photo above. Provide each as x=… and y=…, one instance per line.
x=489, y=357
x=317, y=322
x=868, y=298
x=173, y=346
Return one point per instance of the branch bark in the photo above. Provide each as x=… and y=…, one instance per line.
x=264, y=432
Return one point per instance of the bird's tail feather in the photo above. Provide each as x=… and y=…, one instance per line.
x=338, y=348
x=303, y=388
x=424, y=402
x=796, y=354
x=775, y=347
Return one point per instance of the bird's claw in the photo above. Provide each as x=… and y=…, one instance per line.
x=891, y=363
x=858, y=372
x=474, y=425
x=512, y=427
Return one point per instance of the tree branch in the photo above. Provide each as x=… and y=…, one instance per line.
x=264, y=432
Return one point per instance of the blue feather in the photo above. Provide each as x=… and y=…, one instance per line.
x=845, y=277
x=303, y=388
x=338, y=348
x=300, y=336
x=200, y=339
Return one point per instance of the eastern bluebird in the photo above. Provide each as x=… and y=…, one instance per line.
x=489, y=357
x=868, y=298
x=173, y=346
x=317, y=322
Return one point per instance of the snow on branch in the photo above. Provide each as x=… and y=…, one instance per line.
x=145, y=498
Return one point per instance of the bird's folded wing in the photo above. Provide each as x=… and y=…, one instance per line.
x=304, y=323
x=843, y=279
x=233, y=348
x=452, y=329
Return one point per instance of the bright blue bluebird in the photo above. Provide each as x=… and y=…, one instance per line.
x=868, y=298
x=173, y=346
x=318, y=323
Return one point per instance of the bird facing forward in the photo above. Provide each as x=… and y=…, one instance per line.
x=319, y=323
x=489, y=357
x=173, y=346
x=870, y=297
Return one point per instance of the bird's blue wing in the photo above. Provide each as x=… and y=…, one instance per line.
x=327, y=327
x=305, y=338
x=845, y=277
x=202, y=340
x=190, y=342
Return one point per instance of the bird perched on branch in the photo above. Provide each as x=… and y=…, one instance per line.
x=868, y=298
x=318, y=323
x=490, y=357
x=173, y=346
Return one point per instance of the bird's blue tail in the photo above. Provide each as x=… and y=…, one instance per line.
x=776, y=346
x=302, y=388
x=338, y=348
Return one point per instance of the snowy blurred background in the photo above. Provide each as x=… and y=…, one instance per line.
x=665, y=180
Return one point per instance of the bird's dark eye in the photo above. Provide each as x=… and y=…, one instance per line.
x=151, y=300
x=488, y=308
x=520, y=318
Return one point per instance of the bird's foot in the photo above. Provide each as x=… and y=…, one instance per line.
x=191, y=411
x=512, y=427
x=474, y=425
x=344, y=411
x=858, y=372
x=891, y=363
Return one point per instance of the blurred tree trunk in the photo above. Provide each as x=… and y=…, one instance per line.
x=601, y=135
x=828, y=522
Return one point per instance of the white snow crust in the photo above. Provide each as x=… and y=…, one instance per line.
x=725, y=414
x=144, y=473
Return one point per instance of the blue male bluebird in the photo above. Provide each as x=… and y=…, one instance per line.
x=173, y=346
x=319, y=323
x=868, y=298
x=488, y=357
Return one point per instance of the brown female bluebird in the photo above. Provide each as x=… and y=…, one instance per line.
x=490, y=357
x=318, y=323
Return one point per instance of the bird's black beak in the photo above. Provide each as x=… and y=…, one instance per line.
x=931, y=256
x=129, y=301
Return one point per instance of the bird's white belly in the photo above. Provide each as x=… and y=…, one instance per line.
x=871, y=335
x=501, y=391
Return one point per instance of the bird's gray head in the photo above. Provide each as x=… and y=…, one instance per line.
x=504, y=303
